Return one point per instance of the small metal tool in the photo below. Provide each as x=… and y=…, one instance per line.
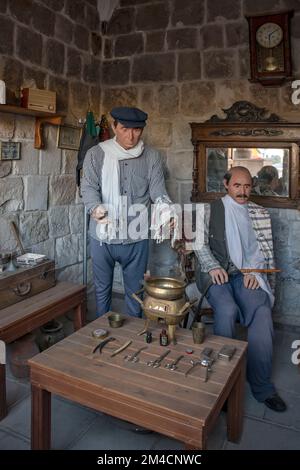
x=205, y=361
x=173, y=365
x=121, y=348
x=101, y=345
x=143, y=331
x=194, y=364
x=156, y=363
x=207, y=352
x=134, y=357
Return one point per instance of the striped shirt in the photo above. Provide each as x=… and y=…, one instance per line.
x=141, y=182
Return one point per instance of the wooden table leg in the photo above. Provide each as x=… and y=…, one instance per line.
x=191, y=447
x=79, y=316
x=40, y=418
x=202, y=442
x=235, y=411
x=3, y=408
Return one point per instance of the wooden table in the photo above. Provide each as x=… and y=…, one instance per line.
x=24, y=317
x=184, y=408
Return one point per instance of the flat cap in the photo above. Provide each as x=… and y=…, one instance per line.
x=129, y=117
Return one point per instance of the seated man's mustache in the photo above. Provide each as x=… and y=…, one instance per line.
x=244, y=196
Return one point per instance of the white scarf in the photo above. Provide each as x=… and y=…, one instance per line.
x=113, y=153
x=242, y=244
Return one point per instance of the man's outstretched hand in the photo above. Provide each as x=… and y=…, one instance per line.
x=100, y=215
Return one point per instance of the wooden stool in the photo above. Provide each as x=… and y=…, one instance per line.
x=24, y=317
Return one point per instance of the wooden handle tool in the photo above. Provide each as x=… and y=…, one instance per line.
x=15, y=232
x=254, y=270
x=121, y=348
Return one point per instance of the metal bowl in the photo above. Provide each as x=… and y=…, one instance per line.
x=166, y=288
x=115, y=320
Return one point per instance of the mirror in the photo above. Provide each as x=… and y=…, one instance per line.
x=269, y=168
x=248, y=136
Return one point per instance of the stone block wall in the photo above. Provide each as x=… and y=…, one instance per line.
x=184, y=61
x=55, y=44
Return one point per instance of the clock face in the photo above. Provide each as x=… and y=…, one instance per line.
x=269, y=35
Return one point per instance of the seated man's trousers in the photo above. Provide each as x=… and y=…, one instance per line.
x=133, y=259
x=232, y=301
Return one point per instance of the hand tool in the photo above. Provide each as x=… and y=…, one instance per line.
x=15, y=232
x=143, y=331
x=156, y=363
x=101, y=345
x=173, y=365
x=134, y=357
x=194, y=364
x=205, y=361
x=121, y=348
x=207, y=364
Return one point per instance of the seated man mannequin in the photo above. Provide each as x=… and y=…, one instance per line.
x=237, y=236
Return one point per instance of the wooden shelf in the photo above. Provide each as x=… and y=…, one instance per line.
x=41, y=118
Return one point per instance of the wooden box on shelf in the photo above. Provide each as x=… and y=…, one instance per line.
x=39, y=100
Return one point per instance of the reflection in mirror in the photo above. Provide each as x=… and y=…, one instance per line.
x=269, y=168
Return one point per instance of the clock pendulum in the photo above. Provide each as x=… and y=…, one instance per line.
x=270, y=63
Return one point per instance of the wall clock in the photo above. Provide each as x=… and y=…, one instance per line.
x=270, y=48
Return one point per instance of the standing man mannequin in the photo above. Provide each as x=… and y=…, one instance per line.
x=118, y=173
x=238, y=235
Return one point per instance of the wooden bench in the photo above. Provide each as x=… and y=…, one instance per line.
x=24, y=317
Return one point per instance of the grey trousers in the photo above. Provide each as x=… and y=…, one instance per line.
x=232, y=301
x=133, y=259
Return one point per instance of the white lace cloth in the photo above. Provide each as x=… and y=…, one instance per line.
x=162, y=212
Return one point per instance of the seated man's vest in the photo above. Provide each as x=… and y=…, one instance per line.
x=217, y=244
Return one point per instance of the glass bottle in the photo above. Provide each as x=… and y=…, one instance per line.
x=148, y=337
x=163, y=338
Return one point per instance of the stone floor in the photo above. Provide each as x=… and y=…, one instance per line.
x=82, y=428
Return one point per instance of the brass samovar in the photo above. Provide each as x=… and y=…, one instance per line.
x=164, y=300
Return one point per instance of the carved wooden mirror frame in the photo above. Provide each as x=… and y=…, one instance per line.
x=246, y=126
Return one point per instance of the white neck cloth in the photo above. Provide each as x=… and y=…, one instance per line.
x=242, y=244
x=113, y=153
